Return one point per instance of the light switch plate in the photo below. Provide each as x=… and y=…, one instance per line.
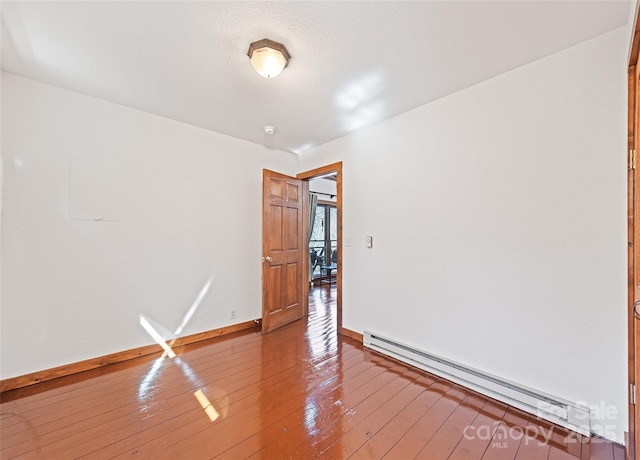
x=369, y=241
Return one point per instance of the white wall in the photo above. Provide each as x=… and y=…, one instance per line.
x=73, y=289
x=498, y=216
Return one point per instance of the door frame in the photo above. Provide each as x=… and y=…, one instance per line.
x=633, y=216
x=306, y=176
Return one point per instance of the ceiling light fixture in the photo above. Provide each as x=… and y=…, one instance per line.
x=268, y=58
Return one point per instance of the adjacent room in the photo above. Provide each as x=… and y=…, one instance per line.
x=317, y=229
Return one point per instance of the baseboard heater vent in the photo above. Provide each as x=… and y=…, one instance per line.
x=568, y=414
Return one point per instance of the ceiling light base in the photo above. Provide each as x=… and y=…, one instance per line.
x=268, y=58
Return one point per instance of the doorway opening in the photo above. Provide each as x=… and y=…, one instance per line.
x=323, y=227
x=324, y=236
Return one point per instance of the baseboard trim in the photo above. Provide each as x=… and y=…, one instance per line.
x=22, y=381
x=352, y=334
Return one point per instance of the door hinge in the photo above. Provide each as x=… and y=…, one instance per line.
x=632, y=159
x=632, y=393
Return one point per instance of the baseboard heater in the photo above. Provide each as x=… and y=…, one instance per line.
x=570, y=415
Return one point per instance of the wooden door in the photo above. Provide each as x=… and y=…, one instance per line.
x=282, y=250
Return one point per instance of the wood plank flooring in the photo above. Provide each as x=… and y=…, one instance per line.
x=299, y=392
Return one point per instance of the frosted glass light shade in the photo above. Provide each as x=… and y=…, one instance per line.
x=268, y=58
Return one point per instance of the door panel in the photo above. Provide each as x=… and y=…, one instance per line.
x=293, y=276
x=291, y=229
x=282, y=243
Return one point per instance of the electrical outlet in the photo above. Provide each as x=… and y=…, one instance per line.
x=232, y=313
x=347, y=241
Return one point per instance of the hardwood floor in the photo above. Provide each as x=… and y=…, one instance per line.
x=298, y=392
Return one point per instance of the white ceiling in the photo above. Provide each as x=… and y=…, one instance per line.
x=353, y=63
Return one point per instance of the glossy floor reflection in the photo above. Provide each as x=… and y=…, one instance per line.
x=299, y=392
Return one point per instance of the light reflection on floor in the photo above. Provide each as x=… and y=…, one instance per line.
x=150, y=389
x=146, y=387
x=330, y=343
x=150, y=384
x=206, y=405
x=310, y=414
x=319, y=348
